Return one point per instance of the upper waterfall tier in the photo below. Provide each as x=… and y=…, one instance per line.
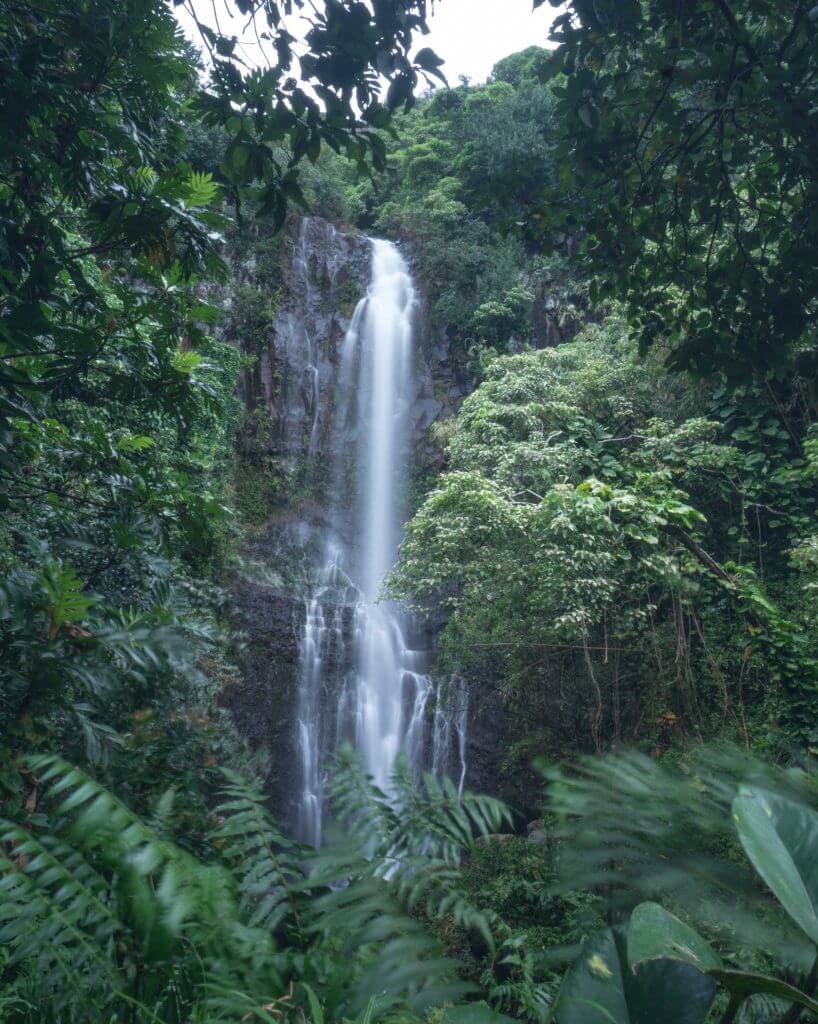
x=386, y=390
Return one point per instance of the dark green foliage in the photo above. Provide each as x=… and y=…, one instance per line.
x=515, y=879
x=625, y=554
x=117, y=407
x=670, y=146
x=461, y=170
x=719, y=840
x=627, y=541
x=604, y=985
x=103, y=914
x=689, y=163
x=522, y=67
x=273, y=120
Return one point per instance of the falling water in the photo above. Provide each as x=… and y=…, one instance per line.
x=382, y=658
x=380, y=700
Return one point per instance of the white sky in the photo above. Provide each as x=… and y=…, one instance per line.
x=470, y=35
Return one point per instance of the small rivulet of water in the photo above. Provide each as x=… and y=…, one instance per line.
x=382, y=698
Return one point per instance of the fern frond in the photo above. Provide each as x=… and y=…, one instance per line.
x=102, y=900
x=265, y=863
x=357, y=800
x=405, y=963
x=440, y=819
x=163, y=886
x=52, y=920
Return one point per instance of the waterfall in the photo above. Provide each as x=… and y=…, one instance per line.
x=382, y=659
x=378, y=698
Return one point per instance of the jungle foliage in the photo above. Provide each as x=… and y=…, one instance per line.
x=117, y=407
x=689, y=162
x=623, y=527
x=616, y=239
x=119, y=155
x=465, y=165
x=710, y=907
x=603, y=523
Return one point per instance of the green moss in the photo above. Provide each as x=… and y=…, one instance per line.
x=348, y=296
x=253, y=494
x=252, y=316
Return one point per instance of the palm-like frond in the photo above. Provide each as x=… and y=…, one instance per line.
x=401, y=870
x=54, y=919
x=633, y=829
x=105, y=911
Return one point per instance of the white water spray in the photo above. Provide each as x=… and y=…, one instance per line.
x=382, y=658
x=381, y=703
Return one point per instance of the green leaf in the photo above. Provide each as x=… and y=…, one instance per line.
x=68, y=603
x=655, y=934
x=134, y=443
x=202, y=189
x=602, y=987
x=205, y=313
x=780, y=837
x=186, y=362
x=316, y=1010
x=743, y=984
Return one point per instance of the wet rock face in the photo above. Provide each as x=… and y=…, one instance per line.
x=293, y=321
x=294, y=374
x=268, y=619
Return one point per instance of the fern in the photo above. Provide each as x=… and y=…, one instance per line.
x=104, y=917
x=68, y=603
x=634, y=829
x=442, y=820
x=202, y=190
x=104, y=905
x=60, y=934
x=265, y=863
x=401, y=869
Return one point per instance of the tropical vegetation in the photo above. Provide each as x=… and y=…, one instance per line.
x=615, y=237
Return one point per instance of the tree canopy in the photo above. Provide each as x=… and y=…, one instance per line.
x=688, y=162
x=614, y=530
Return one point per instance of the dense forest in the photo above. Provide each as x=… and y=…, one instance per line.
x=611, y=505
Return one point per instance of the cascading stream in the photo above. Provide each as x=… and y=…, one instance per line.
x=382, y=699
x=382, y=658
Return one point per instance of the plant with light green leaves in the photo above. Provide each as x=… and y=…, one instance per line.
x=728, y=845
x=592, y=518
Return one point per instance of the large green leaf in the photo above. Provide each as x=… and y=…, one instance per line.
x=780, y=837
x=655, y=934
x=603, y=988
x=743, y=983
